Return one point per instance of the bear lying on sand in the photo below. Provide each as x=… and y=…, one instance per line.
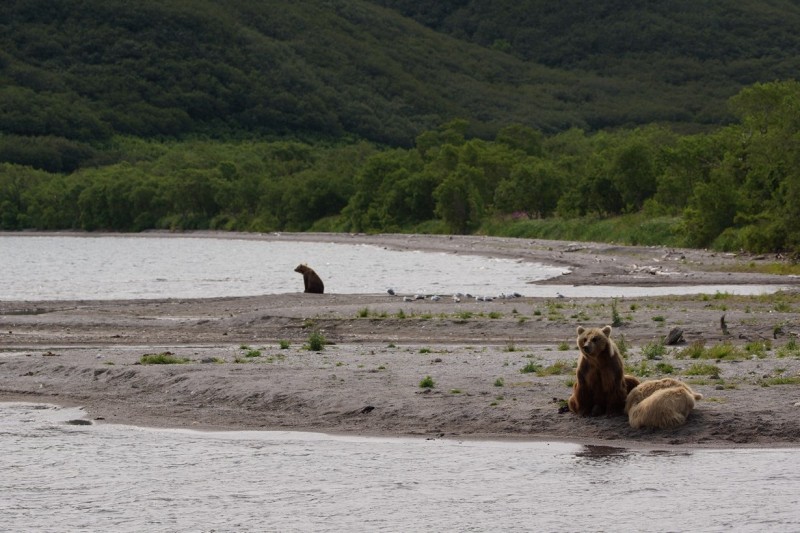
x=601, y=386
x=311, y=280
x=662, y=403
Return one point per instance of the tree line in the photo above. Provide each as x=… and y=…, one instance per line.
x=737, y=187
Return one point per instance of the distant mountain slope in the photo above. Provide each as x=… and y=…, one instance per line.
x=717, y=45
x=78, y=71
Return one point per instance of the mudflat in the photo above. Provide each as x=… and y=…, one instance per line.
x=499, y=369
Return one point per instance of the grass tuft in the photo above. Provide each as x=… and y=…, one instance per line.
x=427, y=383
x=163, y=358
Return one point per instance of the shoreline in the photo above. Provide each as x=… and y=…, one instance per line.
x=366, y=381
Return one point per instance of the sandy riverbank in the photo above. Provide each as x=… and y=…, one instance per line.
x=366, y=381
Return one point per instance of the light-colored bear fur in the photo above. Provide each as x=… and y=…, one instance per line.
x=663, y=403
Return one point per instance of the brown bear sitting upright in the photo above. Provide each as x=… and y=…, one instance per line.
x=311, y=280
x=662, y=403
x=601, y=386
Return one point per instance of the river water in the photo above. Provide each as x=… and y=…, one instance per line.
x=141, y=267
x=56, y=476
x=62, y=477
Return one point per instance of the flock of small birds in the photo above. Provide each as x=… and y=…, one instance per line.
x=457, y=297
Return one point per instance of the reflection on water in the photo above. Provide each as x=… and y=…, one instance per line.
x=62, y=477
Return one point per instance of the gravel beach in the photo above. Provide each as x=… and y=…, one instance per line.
x=500, y=369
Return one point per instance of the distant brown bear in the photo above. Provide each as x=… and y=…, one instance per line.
x=601, y=386
x=311, y=280
x=663, y=403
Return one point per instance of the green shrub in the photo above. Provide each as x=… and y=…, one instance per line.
x=616, y=319
x=791, y=348
x=702, y=369
x=163, y=358
x=251, y=352
x=643, y=369
x=530, y=367
x=427, y=383
x=758, y=348
x=725, y=350
x=559, y=367
x=654, y=350
x=316, y=342
x=622, y=345
x=665, y=368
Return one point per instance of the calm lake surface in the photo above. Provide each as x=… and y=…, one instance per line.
x=141, y=267
x=55, y=476
x=60, y=477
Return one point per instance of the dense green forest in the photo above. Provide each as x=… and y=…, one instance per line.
x=736, y=187
x=526, y=118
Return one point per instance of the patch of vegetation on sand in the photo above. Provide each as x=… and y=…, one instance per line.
x=427, y=383
x=703, y=369
x=163, y=358
x=723, y=351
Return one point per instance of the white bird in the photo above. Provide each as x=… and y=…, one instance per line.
x=408, y=299
x=436, y=298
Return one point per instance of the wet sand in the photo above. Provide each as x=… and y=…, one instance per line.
x=379, y=347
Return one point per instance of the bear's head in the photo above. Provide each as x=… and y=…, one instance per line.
x=301, y=269
x=594, y=342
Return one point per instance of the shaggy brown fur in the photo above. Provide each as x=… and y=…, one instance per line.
x=311, y=280
x=600, y=386
x=662, y=403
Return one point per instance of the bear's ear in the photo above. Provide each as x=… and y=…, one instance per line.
x=581, y=329
x=607, y=331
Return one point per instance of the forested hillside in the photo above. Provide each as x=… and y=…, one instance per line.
x=456, y=116
x=713, y=46
x=86, y=69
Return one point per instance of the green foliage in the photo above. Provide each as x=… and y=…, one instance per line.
x=758, y=348
x=791, y=348
x=664, y=368
x=530, y=367
x=559, y=367
x=427, y=383
x=316, y=342
x=654, y=350
x=163, y=358
x=643, y=369
x=722, y=351
x=616, y=319
x=252, y=352
x=702, y=369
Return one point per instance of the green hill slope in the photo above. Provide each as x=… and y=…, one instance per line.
x=713, y=47
x=74, y=73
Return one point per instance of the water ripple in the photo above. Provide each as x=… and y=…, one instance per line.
x=57, y=477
